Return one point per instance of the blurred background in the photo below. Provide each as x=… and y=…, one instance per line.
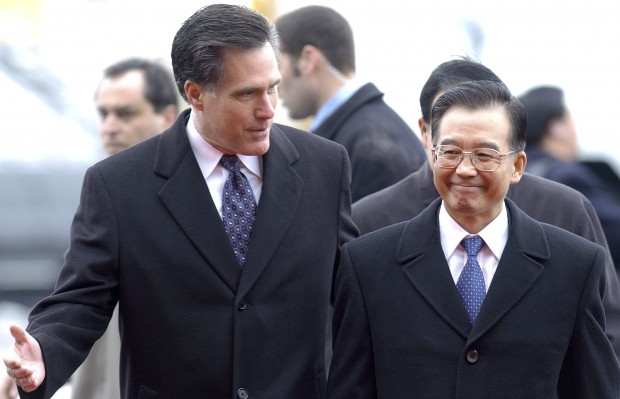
x=52, y=53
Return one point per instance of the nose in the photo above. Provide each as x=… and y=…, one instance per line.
x=266, y=106
x=108, y=124
x=466, y=167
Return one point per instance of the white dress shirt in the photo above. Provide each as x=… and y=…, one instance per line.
x=215, y=175
x=495, y=235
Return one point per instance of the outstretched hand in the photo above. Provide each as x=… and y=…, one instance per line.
x=24, y=360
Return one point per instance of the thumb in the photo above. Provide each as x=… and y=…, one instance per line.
x=19, y=334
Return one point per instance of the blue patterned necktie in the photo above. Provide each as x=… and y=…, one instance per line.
x=471, y=281
x=238, y=207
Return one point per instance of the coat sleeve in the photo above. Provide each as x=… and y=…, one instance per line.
x=75, y=315
x=352, y=373
x=593, y=231
x=590, y=368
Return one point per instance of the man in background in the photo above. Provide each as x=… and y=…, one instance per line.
x=135, y=99
x=318, y=79
x=542, y=199
x=553, y=152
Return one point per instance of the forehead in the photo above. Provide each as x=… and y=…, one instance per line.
x=126, y=87
x=481, y=127
x=253, y=68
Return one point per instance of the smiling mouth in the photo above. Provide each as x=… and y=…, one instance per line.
x=466, y=187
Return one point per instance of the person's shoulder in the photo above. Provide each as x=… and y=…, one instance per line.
x=382, y=239
x=301, y=138
x=568, y=245
x=539, y=231
x=533, y=185
x=398, y=191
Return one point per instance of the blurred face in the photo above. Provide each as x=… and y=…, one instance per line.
x=569, y=150
x=237, y=117
x=474, y=198
x=125, y=115
x=295, y=90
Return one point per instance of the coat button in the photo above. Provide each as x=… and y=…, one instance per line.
x=242, y=305
x=242, y=393
x=472, y=356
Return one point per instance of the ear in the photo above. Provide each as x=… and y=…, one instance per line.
x=169, y=113
x=519, y=163
x=308, y=59
x=194, y=94
x=425, y=135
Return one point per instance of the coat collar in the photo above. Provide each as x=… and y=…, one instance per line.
x=186, y=196
x=367, y=93
x=419, y=253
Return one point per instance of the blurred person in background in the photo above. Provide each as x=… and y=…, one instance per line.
x=553, y=152
x=136, y=99
x=318, y=80
x=542, y=199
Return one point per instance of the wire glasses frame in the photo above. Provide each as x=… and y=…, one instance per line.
x=483, y=159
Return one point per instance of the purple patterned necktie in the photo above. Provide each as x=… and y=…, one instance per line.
x=471, y=281
x=238, y=207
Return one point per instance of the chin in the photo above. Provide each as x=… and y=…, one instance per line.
x=258, y=149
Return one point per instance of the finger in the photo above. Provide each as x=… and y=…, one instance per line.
x=19, y=334
x=20, y=373
x=29, y=385
x=11, y=362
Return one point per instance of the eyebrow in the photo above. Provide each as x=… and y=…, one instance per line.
x=485, y=144
x=253, y=89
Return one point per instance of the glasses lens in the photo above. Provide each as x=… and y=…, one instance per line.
x=485, y=159
x=448, y=156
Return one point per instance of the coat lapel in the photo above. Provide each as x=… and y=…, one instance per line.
x=187, y=198
x=281, y=193
x=519, y=268
x=425, y=266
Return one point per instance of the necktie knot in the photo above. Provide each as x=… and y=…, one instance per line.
x=472, y=245
x=230, y=162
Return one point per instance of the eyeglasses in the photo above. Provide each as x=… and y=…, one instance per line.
x=483, y=159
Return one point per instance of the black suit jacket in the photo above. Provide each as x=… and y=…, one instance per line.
x=542, y=199
x=401, y=330
x=193, y=324
x=382, y=147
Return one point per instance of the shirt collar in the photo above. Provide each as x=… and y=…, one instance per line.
x=208, y=157
x=495, y=234
x=340, y=97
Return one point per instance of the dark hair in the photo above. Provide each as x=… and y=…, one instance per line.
x=159, y=88
x=483, y=94
x=198, y=47
x=323, y=28
x=542, y=104
x=448, y=74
